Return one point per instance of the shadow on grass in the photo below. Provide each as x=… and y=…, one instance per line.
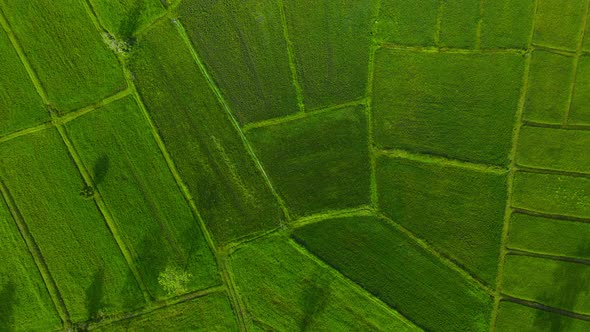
x=100, y=170
x=130, y=24
x=570, y=282
x=94, y=295
x=314, y=301
x=7, y=299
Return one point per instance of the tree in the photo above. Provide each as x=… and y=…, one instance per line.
x=174, y=280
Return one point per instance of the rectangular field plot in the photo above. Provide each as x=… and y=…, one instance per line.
x=142, y=195
x=80, y=252
x=446, y=103
x=243, y=45
x=559, y=23
x=20, y=105
x=558, y=284
x=459, y=211
x=407, y=22
x=74, y=65
x=556, y=149
x=548, y=87
x=549, y=236
x=123, y=18
x=458, y=23
x=387, y=263
x=580, y=109
x=317, y=163
x=229, y=190
x=212, y=312
x=553, y=194
x=285, y=290
x=22, y=292
x=514, y=317
x=331, y=41
x=507, y=23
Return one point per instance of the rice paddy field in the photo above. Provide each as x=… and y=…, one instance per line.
x=295, y=165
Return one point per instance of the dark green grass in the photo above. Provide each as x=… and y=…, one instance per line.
x=331, y=41
x=209, y=313
x=74, y=65
x=514, y=317
x=556, y=149
x=229, y=190
x=446, y=103
x=548, y=87
x=559, y=284
x=458, y=23
x=81, y=254
x=580, y=111
x=506, y=23
x=142, y=195
x=243, y=45
x=460, y=211
x=407, y=22
x=390, y=265
x=22, y=292
x=20, y=105
x=285, y=290
x=559, y=23
x=123, y=18
x=554, y=194
x=549, y=236
x=317, y=163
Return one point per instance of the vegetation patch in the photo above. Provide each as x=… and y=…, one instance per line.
x=506, y=23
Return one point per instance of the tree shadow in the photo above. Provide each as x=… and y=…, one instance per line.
x=571, y=281
x=94, y=295
x=129, y=25
x=314, y=300
x=101, y=168
x=7, y=299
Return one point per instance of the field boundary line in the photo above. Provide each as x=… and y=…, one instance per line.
x=438, y=24
x=529, y=123
x=87, y=109
x=182, y=32
x=369, y=109
x=478, y=31
x=540, y=306
x=546, y=171
x=157, y=305
x=557, y=258
x=552, y=49
x=351, y=283
x=37, y=256
x=534, y=213
x=291, y=56
x=26, y=131
x=363, y=210
x=169, y=13
x=579, y=52
x=238, y=243
x=298, y=116
x=443, y=258
x=511, y=174
x=441, y=161
x=451, y=50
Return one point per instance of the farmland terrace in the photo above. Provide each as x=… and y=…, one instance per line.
x=292, y=165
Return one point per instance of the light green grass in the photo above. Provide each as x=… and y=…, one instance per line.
x=580, y=107
x=446, y=103
x=317, y=163
x=391, y=266
x=559, y=284
x=514, y=317
x=459, y=211
x=554, y=194
x=140, y=192
x=549, y=236
x=506, y=23
x=407, y=22
x=82, y=256
x=331, y=41
x=74, y=65
x=229, y=191
x=458, y=23
x=287, y=291
x=20, y=104
x=555, y=149
x=549, y=87
x=243, y=46
x=208, y=313
x=559, y=23
x=22, y=292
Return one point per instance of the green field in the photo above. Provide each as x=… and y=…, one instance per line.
x=293, y=165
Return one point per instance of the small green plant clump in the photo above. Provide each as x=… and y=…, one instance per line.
x=174, y=280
